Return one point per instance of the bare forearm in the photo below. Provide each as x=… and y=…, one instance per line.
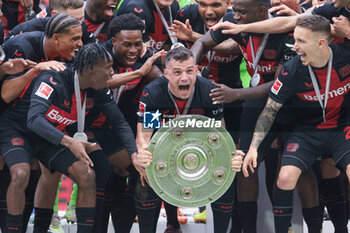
x=201, y=46
x=257, y=92
x=265, y=122
x=195, y=36
x=143, y=136
x=12, y=88
x=120, y=79
x=274, y=25
x=228, y=47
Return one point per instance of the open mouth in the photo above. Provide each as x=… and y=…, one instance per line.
x=184, y=87
x=302, y=56
x=73, y=52
x=131, y=59
x=109, y=11
x=211, y=21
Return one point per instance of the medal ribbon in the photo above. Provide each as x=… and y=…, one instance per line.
x=188, y=104
x=173, y=39
x=316, y=87
x=80, y=109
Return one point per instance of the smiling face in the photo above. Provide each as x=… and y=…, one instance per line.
x=308, y=45
x=212, y=11
x=99, y=74
x=67, y=44
x=247, y=11
x=105, y=9
x=127, y=46
x=181, y=76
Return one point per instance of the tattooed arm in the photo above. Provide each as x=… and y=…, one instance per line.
x=262, y=127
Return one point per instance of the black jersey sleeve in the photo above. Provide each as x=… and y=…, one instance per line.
x=218, y=36
x=145, y=104
x=37, y=24
x=324, y=10
x=285, y=84
x=41, y=100
x=213, y=109
x=185, y=13
x=116, y=119
x=287, y=48
x=14, y=50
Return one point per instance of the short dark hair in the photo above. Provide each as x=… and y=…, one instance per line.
x=261, y=2
x=60, y=23
x=65, y=4
x=315, y=23
x=180, y=53
x=89, y=55
x=125, y=22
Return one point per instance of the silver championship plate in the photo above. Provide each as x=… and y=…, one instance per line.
x=191, y=161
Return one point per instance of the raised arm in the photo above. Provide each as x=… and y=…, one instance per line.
x=202, y=45
x=273, y=25
x=120, y=79
x=12, y=88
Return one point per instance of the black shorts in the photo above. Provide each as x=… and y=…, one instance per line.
x=232, y=116
x=56, y=158
x=305, y=146
x=106, y=138
x=15, y=145
x=281, y=127
x=250, y=114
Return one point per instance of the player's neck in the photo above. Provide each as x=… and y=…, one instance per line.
x=49, y=49
x=83, y=82
x=160, y=5
x=322, y=59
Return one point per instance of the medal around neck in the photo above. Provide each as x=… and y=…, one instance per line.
x=176, y=45
x=80, y=136
x=255, y=80
x=29, y=14
x=191, y=165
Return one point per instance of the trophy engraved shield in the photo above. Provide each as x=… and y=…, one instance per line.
x=191, y=161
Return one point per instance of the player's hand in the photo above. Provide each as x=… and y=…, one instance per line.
x=282, y=10
x=140, y=161
x=223, y=94
x=78, y=148
x=47, y=65
x=250, y=161
x=237, y=161
x=228, y=28
x=341, y=27
x=144, y=49
x=147, y=66
x=17, y=65
x=25, y=3
x=182, y=31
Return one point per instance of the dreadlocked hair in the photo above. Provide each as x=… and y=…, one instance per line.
x=125, y=22
x=60, y=23
x=89, y=55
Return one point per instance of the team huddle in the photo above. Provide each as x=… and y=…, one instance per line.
x=77, y=78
